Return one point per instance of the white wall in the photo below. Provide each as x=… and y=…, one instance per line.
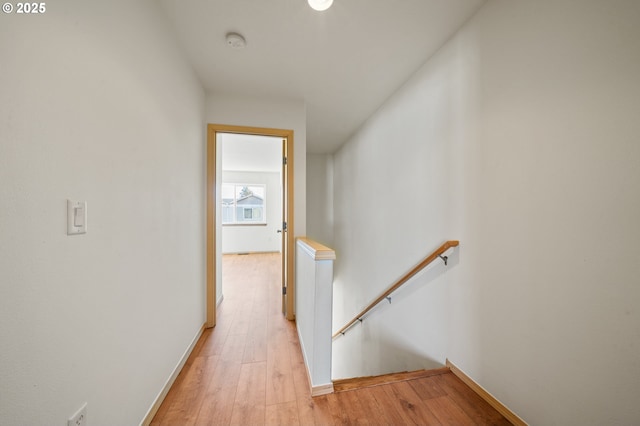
x=256, y=238
x=97, y=105
x=271, y=113
x=320, y=198
x=314, y=278
x=520, y=138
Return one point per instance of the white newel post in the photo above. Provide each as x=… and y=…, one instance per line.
x=314, y=306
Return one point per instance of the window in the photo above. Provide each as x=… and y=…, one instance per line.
x=243, y=204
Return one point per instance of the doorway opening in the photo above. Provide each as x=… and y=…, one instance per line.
x=249, y=203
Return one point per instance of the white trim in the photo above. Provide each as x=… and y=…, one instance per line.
x=165, y=389
x=322, y=389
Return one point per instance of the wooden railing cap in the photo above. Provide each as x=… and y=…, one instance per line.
x=316, y=250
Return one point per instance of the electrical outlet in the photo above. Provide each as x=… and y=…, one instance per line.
x=79, y=418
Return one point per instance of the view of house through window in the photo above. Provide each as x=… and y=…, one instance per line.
x=243, y=203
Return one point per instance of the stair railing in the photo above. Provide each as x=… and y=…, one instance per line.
x=437, y=254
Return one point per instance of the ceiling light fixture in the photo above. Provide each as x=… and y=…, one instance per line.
x=320, y=5
x=235, y=41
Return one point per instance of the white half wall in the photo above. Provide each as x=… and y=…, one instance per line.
x=520, y=139
x=256, y=238
x=99, y=105
x=314, y=277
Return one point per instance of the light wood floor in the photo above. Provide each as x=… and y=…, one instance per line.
x=249, y=370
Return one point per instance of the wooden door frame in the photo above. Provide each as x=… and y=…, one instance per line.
x=212, y=132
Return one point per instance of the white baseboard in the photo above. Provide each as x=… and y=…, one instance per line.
x=322, y=389
x=165, y=389
x=482, y=393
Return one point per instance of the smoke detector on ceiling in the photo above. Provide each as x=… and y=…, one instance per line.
x=235, y=41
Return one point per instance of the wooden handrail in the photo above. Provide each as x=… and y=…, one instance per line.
x=420, y=266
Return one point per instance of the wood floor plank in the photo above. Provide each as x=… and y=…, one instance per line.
x=217, y=403
x=353, y=405
x=358, y=406
x=411, y=404
x=178, y=383
x=298, y=370
x=285, y=413
x=276, y=327
x=305, y=408
x=241, y=323
x=335, y=410
x=280, y=384
x=475, y=407
x=448, y=412
x=169, y=398
x=213, y=342
x=217, y=407
x=181, y=398
x=255, y=348
x=233, y=347
x=427, y=388
x=392, y=408
x=226, y=375
x=188, y=399
x=249, y=404
x=313, y=411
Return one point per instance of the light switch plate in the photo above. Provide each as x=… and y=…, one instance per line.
x=76, y=217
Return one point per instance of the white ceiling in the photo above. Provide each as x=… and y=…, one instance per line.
x=343, y=62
